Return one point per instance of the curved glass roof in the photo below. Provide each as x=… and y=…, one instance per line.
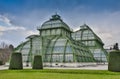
x=55, y=49
x=54, y=22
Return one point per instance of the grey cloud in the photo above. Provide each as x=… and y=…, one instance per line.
x=13, y=34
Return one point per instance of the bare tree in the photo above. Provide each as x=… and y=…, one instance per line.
x=5, y=51
x=3, y=45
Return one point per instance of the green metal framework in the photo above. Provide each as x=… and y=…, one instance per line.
x=58, y=44
x=92, y=41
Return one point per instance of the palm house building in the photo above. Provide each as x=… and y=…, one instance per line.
x=60, y=46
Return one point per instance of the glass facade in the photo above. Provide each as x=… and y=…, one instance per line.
x=58, y=44
x=92, y=41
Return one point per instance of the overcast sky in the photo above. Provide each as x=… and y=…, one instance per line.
x=20, y=18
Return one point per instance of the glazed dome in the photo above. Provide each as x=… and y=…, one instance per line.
x=54, y=22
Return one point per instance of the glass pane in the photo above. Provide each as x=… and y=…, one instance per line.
x=69, y=57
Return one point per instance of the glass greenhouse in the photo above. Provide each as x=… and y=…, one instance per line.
x=60, y=46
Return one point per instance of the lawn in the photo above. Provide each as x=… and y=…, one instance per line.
x=58, y=74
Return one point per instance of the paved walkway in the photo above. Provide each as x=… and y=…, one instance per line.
x=97, y=67
x=3, y=67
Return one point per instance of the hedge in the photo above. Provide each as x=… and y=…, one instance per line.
x=114, y=61
x=16, y=61
x=1, y=62
x=37, y=63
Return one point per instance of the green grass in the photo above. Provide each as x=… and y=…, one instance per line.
x=58, y=74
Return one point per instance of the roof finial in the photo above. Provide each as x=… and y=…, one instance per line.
x=55, y=17
x=84, y=23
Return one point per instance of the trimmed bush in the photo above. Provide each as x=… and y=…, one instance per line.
x=1, y=62
x=114, y=61
x=37, y=63
x=16, y=61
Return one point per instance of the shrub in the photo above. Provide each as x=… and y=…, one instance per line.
x=37, y=63
x=16, y=61
x=114, y=61
x=1, y=62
